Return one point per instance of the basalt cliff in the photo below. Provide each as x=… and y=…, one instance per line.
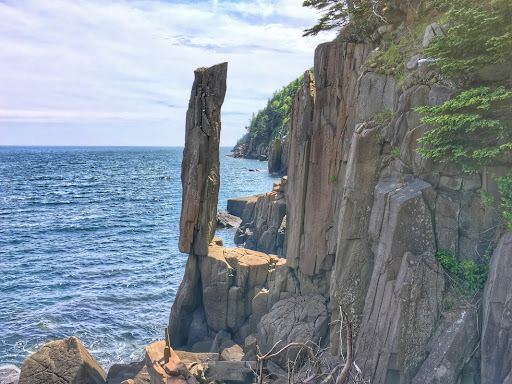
x=350, y=235
x=339, y=266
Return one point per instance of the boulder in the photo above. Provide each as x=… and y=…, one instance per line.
x=497, y=315
x=9, y=374
x=230, y=351
x=200, y=173
x=134, y=373
x=296, y=319
x=61, y=362
x=225, y=220
x=431, y=31
x=231, y=372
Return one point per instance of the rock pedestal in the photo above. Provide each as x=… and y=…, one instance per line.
x=200, y=177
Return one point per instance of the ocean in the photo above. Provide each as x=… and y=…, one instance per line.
x=89, y=244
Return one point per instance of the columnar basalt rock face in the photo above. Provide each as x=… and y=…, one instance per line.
x=200, y=173
x=403, y=302
x=264, y=224
x=450, y=351
x=497, y=316
x=365, y=215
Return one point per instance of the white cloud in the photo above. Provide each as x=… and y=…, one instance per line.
x=133, y=61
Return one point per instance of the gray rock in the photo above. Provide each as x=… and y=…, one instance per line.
x=431, y=31
x=61, y=362
x=453, y=183
x=297, y=319
x=439, y=94
x=412, y=63
x=275, y=155
x=447, y=224
x=225, y=220
x=199, y=327
x=230, y=351
x=231, y=372
x=497, y=315
x=471, y=183
x=220, y=338
x=451, y=351
x=9, y=374
x=404, y=297
x=424, y=68
x=135, y=373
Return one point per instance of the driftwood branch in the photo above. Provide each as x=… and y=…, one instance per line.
x=269, y=355
x=350, y=359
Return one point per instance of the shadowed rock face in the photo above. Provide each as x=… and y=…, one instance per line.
x=497, y=316
x=200, y=171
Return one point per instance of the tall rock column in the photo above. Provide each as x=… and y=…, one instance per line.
x=200, y=177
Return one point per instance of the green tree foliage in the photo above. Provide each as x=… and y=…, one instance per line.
x=472, y=129
x=268, y=123
x=478, y=34
x=337, y=13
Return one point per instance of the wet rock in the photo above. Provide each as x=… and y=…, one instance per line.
x=9, y=374
x=60, y=362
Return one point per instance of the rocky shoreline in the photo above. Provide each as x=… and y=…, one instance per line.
x=338, y=278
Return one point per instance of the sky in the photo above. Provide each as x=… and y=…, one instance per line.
x=119, y=72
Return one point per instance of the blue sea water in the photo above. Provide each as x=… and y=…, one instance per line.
x=89, y=244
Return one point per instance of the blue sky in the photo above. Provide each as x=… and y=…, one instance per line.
x=100, y=72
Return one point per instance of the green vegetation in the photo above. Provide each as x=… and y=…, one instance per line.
x=332, y=179
x=505, y=188
x=396, y=152
x=336, y=13
x=478, y=34
x=384, y=116
x=390, y=61
x=469, y=276
x=472, y=129
x=270, y=122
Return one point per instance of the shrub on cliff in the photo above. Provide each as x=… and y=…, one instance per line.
x=336, y=14
x=478, y=34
